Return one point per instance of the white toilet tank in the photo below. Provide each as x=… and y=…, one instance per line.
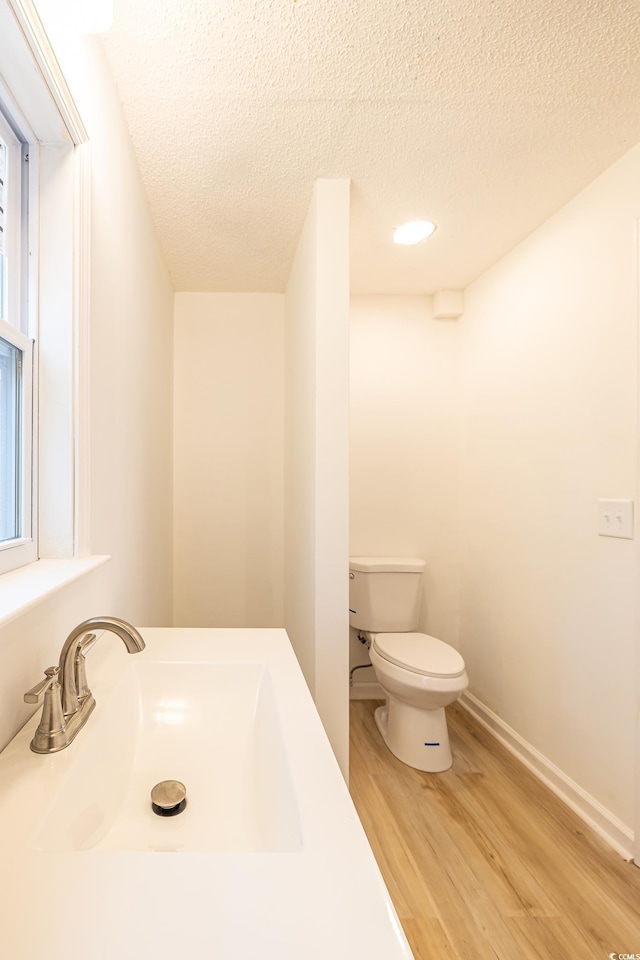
x=385, y=593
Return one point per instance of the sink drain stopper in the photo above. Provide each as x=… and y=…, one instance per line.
x=168, y=798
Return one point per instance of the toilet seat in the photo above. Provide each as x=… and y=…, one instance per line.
x=419, y=653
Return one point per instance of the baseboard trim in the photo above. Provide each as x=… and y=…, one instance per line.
x=605, y=824
x=366, y=690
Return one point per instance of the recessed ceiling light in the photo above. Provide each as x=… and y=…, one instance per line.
x=413, y=232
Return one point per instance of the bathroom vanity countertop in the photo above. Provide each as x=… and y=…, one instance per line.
x=316, y=895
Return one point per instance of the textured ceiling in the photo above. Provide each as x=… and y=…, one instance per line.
x=483, y=115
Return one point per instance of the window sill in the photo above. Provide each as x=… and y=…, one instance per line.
x=23, y=589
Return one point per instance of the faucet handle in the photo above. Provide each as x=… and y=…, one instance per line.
x=84, y=646
x=86, y=643
x=36, y=694
x=51, y=733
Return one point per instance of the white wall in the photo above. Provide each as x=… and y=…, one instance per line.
x=549, y=624
x=130, y=416
x=404, y=449
x=131, y=383
x=316, y=456
x=228, y=473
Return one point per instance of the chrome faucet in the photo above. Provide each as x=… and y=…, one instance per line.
x=68, y=700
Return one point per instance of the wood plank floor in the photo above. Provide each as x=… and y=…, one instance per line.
x=483, y=862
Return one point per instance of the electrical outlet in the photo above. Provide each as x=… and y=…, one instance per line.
x=615, y=518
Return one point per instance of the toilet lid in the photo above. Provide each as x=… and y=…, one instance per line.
x=420, y=653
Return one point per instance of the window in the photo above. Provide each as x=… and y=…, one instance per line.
x=44, y=300
x=17, y=522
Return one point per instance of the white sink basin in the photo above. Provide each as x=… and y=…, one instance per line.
x=268, y=859
x=212, y=726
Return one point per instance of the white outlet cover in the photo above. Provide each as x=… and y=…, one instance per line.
x=615, y=518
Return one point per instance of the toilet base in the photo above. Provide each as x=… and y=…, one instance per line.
x=415, y=736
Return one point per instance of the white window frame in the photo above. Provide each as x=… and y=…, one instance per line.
x=20, y=326
x=23, y=549
x=13, y=203
x=34, y=93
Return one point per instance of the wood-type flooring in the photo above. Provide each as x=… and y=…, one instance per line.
x=483, y=862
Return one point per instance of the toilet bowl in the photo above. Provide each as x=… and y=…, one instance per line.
x=420, y=676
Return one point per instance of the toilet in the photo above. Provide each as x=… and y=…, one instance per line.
x=419, y=674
